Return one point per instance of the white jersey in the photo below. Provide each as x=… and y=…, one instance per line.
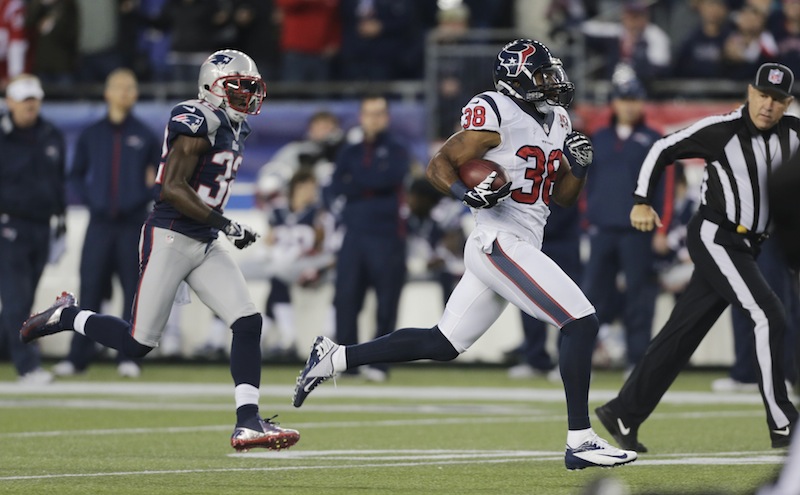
x=503, y=255
x=530, y=151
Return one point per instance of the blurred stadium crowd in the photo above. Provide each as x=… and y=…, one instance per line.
x=69, y=43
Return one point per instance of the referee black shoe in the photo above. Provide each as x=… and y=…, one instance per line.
x=781, y=437
x=624, y=434
x=46, y=322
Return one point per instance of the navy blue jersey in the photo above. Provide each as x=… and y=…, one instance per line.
x=294, y=231
x=109, y=169
x=215, y=170
x=31, y=170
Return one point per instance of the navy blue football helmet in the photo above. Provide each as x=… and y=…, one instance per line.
x=525, y=69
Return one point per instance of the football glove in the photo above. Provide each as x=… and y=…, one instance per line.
x=240, y=235
x=580, y=152
x=481, y=196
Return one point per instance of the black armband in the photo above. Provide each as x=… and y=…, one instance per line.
x=216, y=220
x=639, y=200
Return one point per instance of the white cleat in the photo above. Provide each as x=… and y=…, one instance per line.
x=319, y=367
x=596, y=452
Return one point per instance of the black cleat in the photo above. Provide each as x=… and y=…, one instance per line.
x=46, y=322
x=625, y=435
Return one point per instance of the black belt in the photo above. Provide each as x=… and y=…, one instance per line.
x=719, y=219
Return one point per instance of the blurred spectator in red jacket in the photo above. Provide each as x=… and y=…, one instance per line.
x=311, y=32
x=13, y=40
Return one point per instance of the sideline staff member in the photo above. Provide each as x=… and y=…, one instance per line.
x=31, y=192
x=740, y=149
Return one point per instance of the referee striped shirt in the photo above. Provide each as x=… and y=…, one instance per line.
x=738, y=156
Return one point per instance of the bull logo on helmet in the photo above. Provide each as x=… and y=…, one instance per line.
x=515, y=59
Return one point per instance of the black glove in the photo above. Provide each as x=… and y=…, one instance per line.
x=482, y=197
x=580, y=152
x=240, y=235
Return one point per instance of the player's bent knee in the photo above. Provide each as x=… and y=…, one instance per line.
x=588, y=324
x=248, y=324
x=134, y=349
x=439, y=348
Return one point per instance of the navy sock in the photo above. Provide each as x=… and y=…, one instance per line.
x=68, y=315
x=575, y=358
x=112, y=332
x=246, y=350
x=403, y=345
x=247, y=416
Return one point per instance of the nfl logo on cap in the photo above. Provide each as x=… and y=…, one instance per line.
x=775, y=79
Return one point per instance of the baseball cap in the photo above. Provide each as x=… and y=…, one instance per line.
x=775, y=79
x=630, y=89
x=24, y=87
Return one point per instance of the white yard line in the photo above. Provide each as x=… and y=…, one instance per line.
x=364, y=424
x=418, y=458
x=165, y=389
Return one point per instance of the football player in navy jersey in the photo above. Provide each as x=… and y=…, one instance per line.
x=203, y=145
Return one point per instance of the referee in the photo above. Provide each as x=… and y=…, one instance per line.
x=740, y=150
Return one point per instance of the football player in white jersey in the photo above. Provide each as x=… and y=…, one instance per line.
x=524, y=127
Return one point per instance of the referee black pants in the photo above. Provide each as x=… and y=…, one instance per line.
x=725, y=273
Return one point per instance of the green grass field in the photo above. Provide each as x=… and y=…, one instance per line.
x=429, y=430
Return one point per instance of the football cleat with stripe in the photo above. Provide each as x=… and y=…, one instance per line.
x=319, y=367
x=596, y=452
x=46, y=322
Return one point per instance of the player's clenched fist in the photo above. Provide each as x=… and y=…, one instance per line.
x=579, y=152
x=240, y=235
x=481, y=196
x=644, y=218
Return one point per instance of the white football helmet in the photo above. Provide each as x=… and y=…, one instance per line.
x=229, y=79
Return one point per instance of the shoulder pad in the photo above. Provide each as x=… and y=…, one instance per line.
x=193, y=118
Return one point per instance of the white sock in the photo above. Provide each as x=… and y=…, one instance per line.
x=80, y=321
x=339, y=359
x=245, y=394
x=576, y=437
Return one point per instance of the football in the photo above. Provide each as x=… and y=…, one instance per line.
x=474, y=171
